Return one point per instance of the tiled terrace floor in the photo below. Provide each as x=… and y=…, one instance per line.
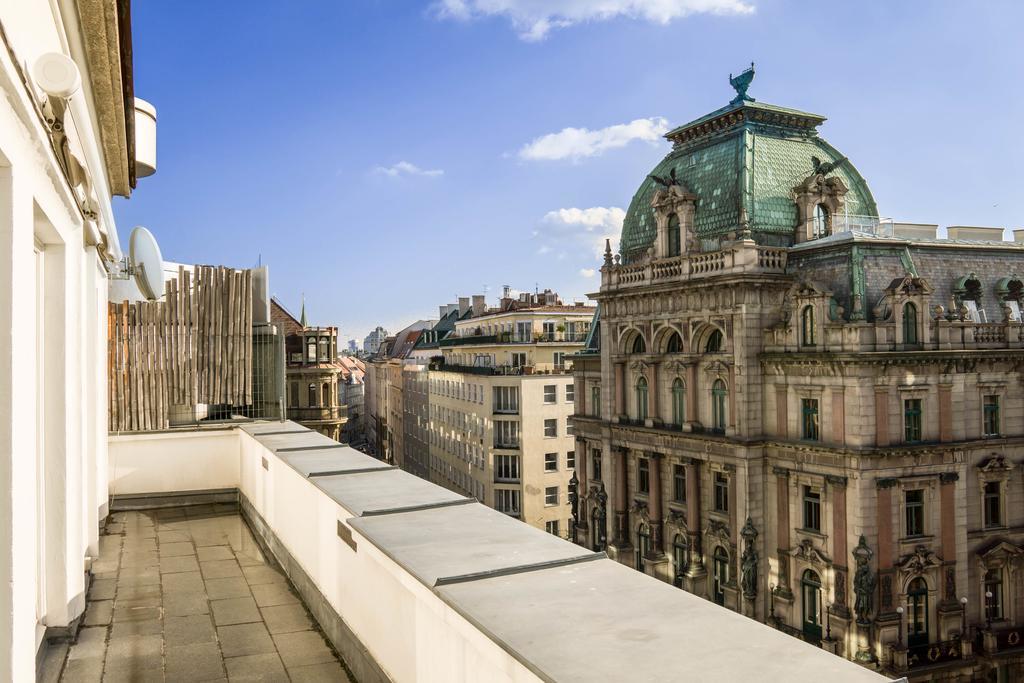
x=185, y=594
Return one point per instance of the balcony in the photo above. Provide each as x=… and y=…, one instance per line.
x=332, y=413
x=741, y=257
x=362, y=545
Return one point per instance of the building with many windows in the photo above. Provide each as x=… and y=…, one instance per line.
x=805, y=412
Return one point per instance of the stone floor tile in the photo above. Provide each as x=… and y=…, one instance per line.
x=270, y=594
x=138, y=595
x=134, y=647
x=147, y=627
x=220, y=569
x=176, y=549
x=141, y=558
x=90, y=644
x=170, y=536
x=83, y=671
x=214, y=552
x=138, y=576
x=188, y=630
x=102, y=589
x=135, y=544
x=135, y=613
x=286, y=618
x=105, y=566
x=186, y=604
x=250, y=557
x=185, y=582
x=244, y=639
x=235, y=611
x=302, y=648
x=265, y=667
x=133, y=675
x=219, y=589
x=98, y=612
x=173, y=565
x=197, y=662
x=327, y=672
x=263, y=573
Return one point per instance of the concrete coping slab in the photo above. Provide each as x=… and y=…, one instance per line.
x=385, y=491
x=328, y=461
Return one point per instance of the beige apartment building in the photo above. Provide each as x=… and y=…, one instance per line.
x=806, y=413
x=501, y=393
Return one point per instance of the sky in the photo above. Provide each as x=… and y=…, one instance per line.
x=383, y=157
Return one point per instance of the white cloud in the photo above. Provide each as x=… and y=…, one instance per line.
x=405, y=168
x=587, y=272
x=533, y=20
x=588, y=228
x=578, y=143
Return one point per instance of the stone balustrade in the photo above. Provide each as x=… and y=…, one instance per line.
x=743, y=256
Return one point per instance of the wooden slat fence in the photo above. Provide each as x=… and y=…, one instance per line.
x=193, y=347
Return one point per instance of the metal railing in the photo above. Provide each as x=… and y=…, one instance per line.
x=872, y=225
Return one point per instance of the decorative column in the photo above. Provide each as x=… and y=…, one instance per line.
x=654, y=502
x=654, y=415
x=695, y=571
x=881, y=416
x=886, y=600
x=782, y=528
x=782, y=412
x=620, y=389
x=837, y=485
x=945, y=412
x=949, y=605
x=620, y=455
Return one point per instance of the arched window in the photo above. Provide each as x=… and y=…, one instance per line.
x=674, y=243
x=638, y=345
x=718, y=397
x=807, y=326
x=313, y=402
x=641, y=398
x=327, y=395
x=643, y=546
x=917, y=612
x=820, y=221
x=714, y=343
x=678, y=402
x=811, y=588
x=719, y=574
x=909, y=323
x=680, y=557
x=993, y=594
x=675, y=344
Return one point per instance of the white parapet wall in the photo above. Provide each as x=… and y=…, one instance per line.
x=412, y=582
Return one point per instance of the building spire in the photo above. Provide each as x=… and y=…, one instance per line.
x=302, y=316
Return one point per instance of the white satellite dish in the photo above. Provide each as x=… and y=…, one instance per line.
x=57, y=75
x=146, y=263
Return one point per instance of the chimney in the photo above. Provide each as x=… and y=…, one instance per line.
x=442, y=312
x=524, y=297
x=479, y=305
x=463, y=305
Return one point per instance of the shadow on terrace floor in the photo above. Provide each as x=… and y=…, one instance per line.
x=186, y=594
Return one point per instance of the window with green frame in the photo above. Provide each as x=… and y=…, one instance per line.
x=807, y=326
x=641, y=398
x=991, y=415
x=809, y=419
x=718, y=396
x=909, y=323
x=912, y=420
x=678, y=402
x=673, y=236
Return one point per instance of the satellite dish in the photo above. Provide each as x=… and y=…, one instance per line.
x=57, y=75
x=146, y=263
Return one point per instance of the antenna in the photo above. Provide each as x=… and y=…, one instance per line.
x=144, y=264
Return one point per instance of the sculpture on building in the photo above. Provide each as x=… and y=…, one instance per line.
x=748, y=562
x=863, y=582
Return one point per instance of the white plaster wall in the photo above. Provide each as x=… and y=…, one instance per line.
x=164, y=462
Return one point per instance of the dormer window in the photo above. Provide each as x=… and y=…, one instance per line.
x=674, y=242
x=821, y=221
x=807, y=326
x=909, y=323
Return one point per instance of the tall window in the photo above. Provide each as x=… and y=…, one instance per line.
x=570, y=460
x=993, y=504
x=551, y=495
x=506, y=434
x=551, y=462
x=595, y=401
x=809, y=419
x=678, y=402
x=912, y=419
x=811, y=587
x=820, y=221
x=570, y=392
x=551, y=427
x=914, y=503
x=641, y=398
x=675, y=344
x=506, y=400
x=909, y=323
x=638, y=345
x=812, y=509
x=917, y=612
x=673, y=235
x=680, y=556
x=595, y=464
x=294, y=394
x=991, y=415
x=506, y=467
x=807, y=326
x=643, y=475
x=679, y=483
x=714, y=344
x=327, y=395
x=643, y=546
x=994, y=586
x=518, y=359
x=313, y=402
x=718, y=396
x=550, y=393
x=720, y=574
x=507, y=501
x=552, y=527
x=721, y=492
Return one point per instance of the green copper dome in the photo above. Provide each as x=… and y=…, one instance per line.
x=746, y=156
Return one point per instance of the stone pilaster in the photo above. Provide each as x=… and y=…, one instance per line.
x=783, y=530
x=655, y=506
x=837, y=486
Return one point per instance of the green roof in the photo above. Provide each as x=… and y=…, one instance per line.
x=748, y=156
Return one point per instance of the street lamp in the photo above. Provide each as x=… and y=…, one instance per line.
x=771, y=607
x=828, y=622
x=963, y=618
x=988, y=609
x=899, y=639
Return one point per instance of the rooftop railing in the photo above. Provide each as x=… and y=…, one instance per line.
x=739, y=257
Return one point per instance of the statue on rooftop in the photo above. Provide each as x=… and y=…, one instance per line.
x=671, y=181
x=824, y=168
x=740, y=83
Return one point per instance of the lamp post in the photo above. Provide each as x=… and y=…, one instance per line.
x=988, y=609
x=574, y=501
x=899, y=637
x=828, y=622
x=963, y=618
x=771, y=605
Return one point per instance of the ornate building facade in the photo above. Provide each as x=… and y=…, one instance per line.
x=807, y=413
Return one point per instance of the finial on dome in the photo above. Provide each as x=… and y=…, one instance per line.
x=607, y=252
x=740, y=84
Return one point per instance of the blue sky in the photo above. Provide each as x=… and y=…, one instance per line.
x=383, y=156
